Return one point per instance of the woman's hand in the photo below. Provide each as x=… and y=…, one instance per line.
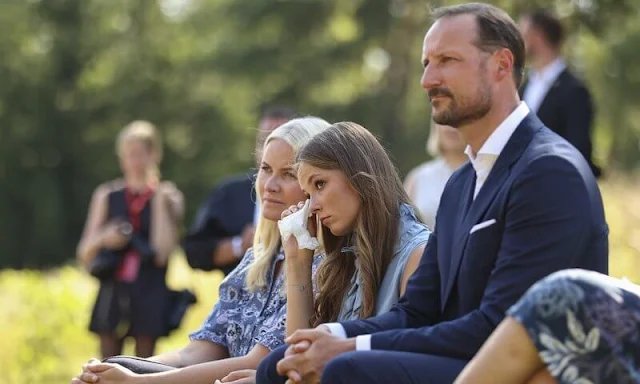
x=112, y=236
x=245, y=376
x=291, y=249
x=86, y=377
x=105, y=373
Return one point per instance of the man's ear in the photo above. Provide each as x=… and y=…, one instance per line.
x=504, y=67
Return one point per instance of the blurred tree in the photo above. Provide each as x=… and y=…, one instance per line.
x=73, y=72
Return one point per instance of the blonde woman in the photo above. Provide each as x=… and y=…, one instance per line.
x=132, y=226
x=249, y=319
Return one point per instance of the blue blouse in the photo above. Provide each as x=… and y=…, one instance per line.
x=241, y=318
x=411, y=235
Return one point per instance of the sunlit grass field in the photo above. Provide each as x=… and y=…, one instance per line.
x=44, y=315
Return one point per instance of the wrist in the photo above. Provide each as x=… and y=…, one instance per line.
x=236, y=246
x=302, y=257
x=348, y=345
x=125, y=229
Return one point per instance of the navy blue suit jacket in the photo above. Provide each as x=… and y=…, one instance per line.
x=548, y=216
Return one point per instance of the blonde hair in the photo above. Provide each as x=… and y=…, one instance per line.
x=145, y=132
x=266, y=241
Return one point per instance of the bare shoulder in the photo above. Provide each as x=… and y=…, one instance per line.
x=105, y=188
x=168, y=185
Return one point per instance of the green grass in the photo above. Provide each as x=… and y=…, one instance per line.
x=43, y=326
x=44, y=315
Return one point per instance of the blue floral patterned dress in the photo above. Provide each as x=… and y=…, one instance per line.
x=585, y=325
x=241, y=319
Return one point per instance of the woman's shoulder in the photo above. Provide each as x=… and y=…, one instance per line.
x=109, y=187
x=246, y=261
x=103, y=191
x=412, y=232
x=236, y=279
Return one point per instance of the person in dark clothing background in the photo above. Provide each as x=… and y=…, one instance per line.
x=223, y=227
x=559, y=98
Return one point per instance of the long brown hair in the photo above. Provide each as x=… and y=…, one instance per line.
x=352, y=149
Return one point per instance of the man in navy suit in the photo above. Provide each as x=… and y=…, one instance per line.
x=525, y=205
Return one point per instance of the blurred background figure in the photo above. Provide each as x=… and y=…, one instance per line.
x=225, y=222
x=425, y=183
x=131, y=230
x=560, y=99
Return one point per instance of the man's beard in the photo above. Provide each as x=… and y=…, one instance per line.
x=469, y=110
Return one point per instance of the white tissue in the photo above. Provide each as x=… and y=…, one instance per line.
x=296, y=225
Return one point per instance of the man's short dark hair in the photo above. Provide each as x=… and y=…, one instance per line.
x=278, y=112
x=496, y=30
x=549, y=25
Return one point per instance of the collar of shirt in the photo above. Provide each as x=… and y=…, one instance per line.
x=550, y=73
x=483, y=161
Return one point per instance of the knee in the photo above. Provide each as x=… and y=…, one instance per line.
x=341, y=369
x=267, y=370
x=558, y=292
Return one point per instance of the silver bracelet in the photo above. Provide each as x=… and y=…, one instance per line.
x=301, y=287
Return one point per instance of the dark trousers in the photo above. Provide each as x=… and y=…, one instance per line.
x=267, y=373
x=373, y=367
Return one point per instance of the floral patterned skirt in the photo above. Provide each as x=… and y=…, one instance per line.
x=585, y=325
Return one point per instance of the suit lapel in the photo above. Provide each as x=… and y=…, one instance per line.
x=498, y=175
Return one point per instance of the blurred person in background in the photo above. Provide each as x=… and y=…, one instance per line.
x=425, y=183
x=559, y=98
x=130, y=232
x=224, y=225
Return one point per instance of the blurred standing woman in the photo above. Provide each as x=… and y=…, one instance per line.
x=425, y=183
x=131, y=230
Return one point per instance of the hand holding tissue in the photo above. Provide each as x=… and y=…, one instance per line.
x=296, y=224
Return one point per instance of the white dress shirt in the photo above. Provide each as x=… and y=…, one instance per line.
x=482, y=163
x=486, y=157
x=540, y=82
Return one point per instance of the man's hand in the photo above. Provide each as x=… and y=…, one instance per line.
x=310, y=351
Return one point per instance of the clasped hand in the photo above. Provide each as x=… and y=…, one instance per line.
x=105, y=373
x=308, y=353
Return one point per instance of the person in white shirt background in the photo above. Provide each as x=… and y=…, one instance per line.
x=425, y=183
